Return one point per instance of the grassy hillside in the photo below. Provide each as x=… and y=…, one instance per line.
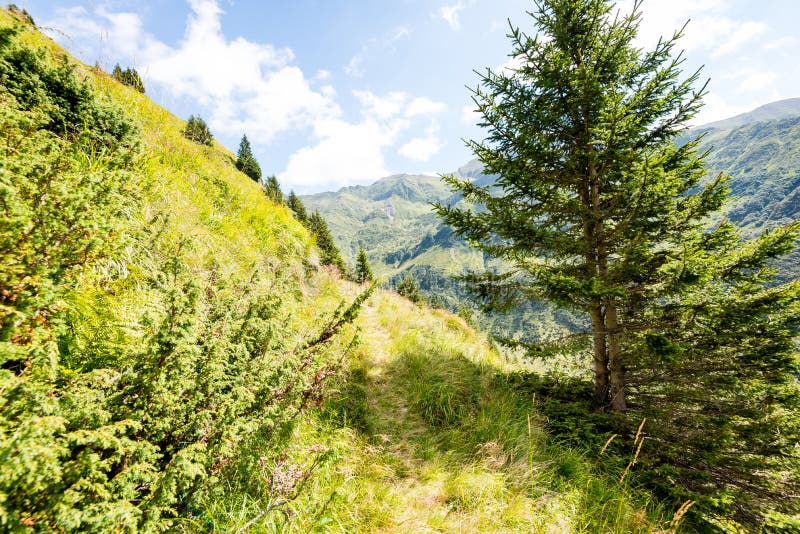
x=171, y=359
x=428, y=436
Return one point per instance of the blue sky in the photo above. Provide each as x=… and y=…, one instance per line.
x=334, y=92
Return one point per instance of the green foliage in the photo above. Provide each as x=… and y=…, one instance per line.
x=298, y=208
x=197, y=131
x=130, y=375
x=273, y=190
x=129, y=77
x=409, y=289
x=363, y=272
x=64, y=207
x=69, y=103
x=329, y=254
x=246, y=161
x=598, y=210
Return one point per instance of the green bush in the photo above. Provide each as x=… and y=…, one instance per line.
x=197, y=131
x=110, y=420
x=66, y=103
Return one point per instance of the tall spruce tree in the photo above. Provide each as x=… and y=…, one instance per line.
x=329, y=252
x=599, y=210
x=363, y=271
x=297, y=206
x=246, y=162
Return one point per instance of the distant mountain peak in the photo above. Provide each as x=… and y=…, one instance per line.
x=782, y=109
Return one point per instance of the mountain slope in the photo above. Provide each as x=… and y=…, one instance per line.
x=782, y=109
x=188, y=369
x=759, y=149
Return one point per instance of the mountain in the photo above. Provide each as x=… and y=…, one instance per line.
x=782, y=109
x=171, y=359
x=759, y=149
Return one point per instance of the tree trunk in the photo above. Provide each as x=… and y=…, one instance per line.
x=600, y=354
x=615, y=363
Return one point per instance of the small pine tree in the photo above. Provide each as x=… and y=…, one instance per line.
x=273, y=190
x=409, y=289
x=246, y=162
x=129, y=77
x=298, y=208
x=363, y=270
x=197, y=130
x=329, y=252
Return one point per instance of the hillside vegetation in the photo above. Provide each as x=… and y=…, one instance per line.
x=393, y=221
x=172, y=359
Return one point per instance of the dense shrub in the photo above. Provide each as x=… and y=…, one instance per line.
x=197, y=131
x=66, y=102
x=120, y=418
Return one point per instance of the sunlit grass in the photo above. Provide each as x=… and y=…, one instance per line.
x=419, y=437
x=441, y=448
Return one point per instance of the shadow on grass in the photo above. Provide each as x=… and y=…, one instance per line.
x=497, y=435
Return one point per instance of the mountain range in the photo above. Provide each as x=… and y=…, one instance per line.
x=392, y=218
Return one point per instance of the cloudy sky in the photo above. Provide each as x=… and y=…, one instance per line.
x=340, y=92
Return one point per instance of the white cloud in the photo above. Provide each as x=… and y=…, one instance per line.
x=251, y=87
x=383, y=107
x=450, y=14
x=386, y=44
x=781, y=43
x=247, y=86
x=737, y=34
x=469, y=115
x=751, y=80
x=717, y=108
x=347, y=153
x=710, y=28
x=423, y=148
x=422, y=106
x=353, y=67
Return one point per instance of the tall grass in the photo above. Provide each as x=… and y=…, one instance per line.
x=424, y=437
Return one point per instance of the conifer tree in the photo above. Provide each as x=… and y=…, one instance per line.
x=197, y=130
x=129, y=77
x=598, y=210
x=363, y=271
x=409, y=289
x=329, y=252
x=273, y=190
x=246, y=162
x=297, y=206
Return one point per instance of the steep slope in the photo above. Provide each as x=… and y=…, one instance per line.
x=171, y=367
x=158, y=324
